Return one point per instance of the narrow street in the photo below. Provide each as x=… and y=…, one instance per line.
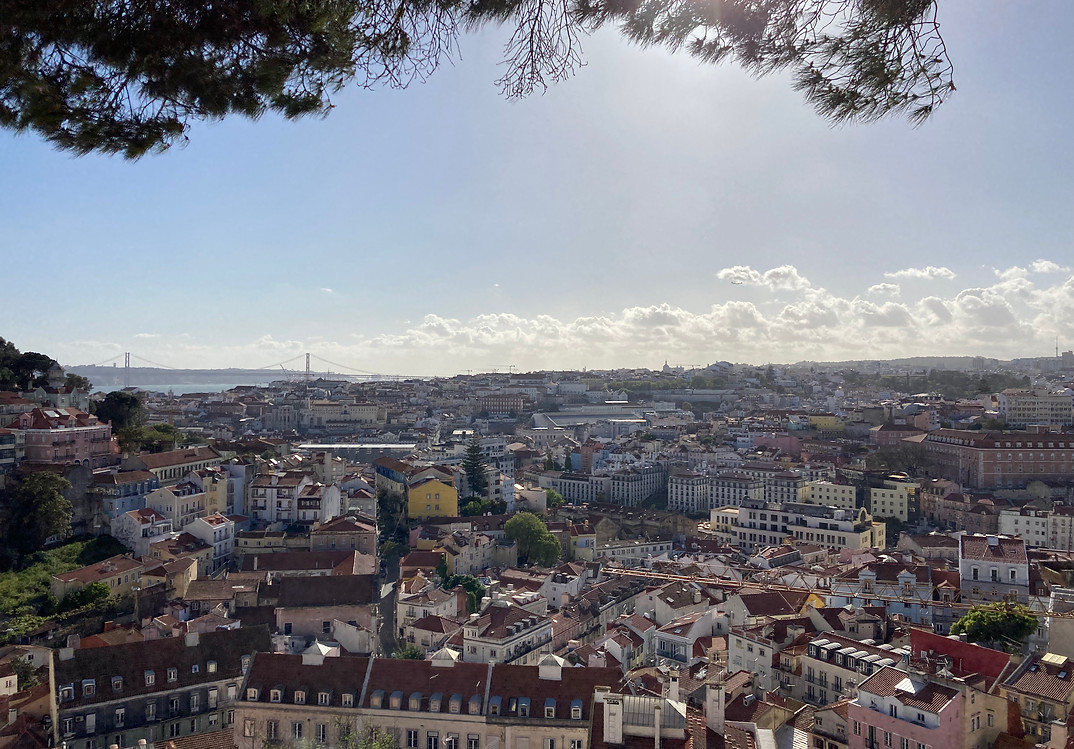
x=387, y=608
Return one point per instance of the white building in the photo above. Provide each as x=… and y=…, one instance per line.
x=137, y=529
x=219, y=532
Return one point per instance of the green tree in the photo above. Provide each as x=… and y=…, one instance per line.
x=554, y=499
x=129, y=78
x=122, y=410
x=535, y=543
x=410, y=653
x=25, y=672
x=92, y=593
x=1004, y=624
x=370, y=739
x=475, y=590
x=80, y=383
x=36, y=511
x=476, y=468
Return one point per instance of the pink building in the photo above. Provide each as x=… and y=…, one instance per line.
x=61, y=436
x=899, y=710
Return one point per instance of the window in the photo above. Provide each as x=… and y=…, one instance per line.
x=173, y=674
x=326, y=627
x=117, y=683
x=991, y=719
x=272, y=729
x=549, y=711
x=89, y=686
x=473, y=741
x=348, y=700
x=212, y=698
x=287, y=628
x=432, y=740
x=173, y=705
x=251, y=694
x=195, y=703
x=275, y=695
x=576, y=713
x=452, y=741
x=214, y=719
x=300, y=697
x=193, y=725
x=248, y=728
x=121, y=716
x=549, y=744
x=322, y=733
x=296, y=730
x=411, y=738
x=174, y=730
x=887, y=738
x=323, y=698
x=151, y=711
x=904, y=743
x=211, y=665
x=524, y=710
x=576, y=744
x=195, y=668
x=150, y=678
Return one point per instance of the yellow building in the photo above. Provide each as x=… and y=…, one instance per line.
x=826, y=422
x=432, y=498
x=893, y=499
x=829, y=494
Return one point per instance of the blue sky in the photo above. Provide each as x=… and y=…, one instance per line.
x=601, y=224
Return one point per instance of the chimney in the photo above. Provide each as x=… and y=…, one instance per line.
x=714, y=707
x=192, y=639
x=67, y=653
x=613, y=719
x=658, y=714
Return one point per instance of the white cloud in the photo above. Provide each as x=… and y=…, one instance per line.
x=783, y=277
x=884, y=289
x=930, y=272
x=326, y=290
x=146, y=335
x=1047, y=266
x=1013, y=317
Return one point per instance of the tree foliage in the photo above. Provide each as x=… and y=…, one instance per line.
x=1003, y=623
x=37, y=510
x=536, y=544
x=410, y=653
x=475, y=590
x=20, y=370
x=25, y=672
x=476, y=468
x=129, y=78
x=554, y=499
x=122, y=410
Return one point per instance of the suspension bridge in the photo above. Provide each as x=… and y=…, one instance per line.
x=312, y=370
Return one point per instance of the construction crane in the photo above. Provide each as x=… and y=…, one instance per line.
x=852, y=591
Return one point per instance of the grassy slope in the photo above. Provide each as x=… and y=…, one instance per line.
x=24, y=591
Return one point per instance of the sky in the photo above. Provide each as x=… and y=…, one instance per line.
x=649, y=209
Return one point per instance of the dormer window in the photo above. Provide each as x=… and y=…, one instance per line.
x=348, y=700
x=150, y=678
x=434, y=702
x=550, y=708
x=117, y=683
x=300, y=697
x=211, y=665
x=195, y=668
x=276, y=695
x=474, y=707
x=245, y=663
x=576, y=709
x=524, y=707
x=173, y=675
x=67, y=692
x=251, y=694
x=494, y=706
x=89, y=687
x=376, y=700
x=415, y=701
x=324, y=698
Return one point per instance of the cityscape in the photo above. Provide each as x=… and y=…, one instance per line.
x=828, y=555
x=536, y=374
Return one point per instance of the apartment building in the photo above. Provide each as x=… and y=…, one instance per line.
x=987, y=460
x=505, y=633
x=833, y=665
x=155, y=689
x=894, y=498
x=441, y=703
x=688, y=492
x=905, y=711
x=993, y=567
x=62, y=436
x=1020, y=408
x=832, y=494
x=761, y=524
x=122, y=491
x=181, y=503
x=731, y=489
x=292, y=496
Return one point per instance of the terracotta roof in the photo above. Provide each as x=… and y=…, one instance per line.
x=179, y=457
x=92, y=573
x=912, y=692
x=1040, y=678
x=122, y=477
x=1005, y=549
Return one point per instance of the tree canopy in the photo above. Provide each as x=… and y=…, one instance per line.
x=130, y=78
x=476, y=468
x=1003, y=623
x=36, y=511
x=536, y=544
x=122, y=410
x=20, y=370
